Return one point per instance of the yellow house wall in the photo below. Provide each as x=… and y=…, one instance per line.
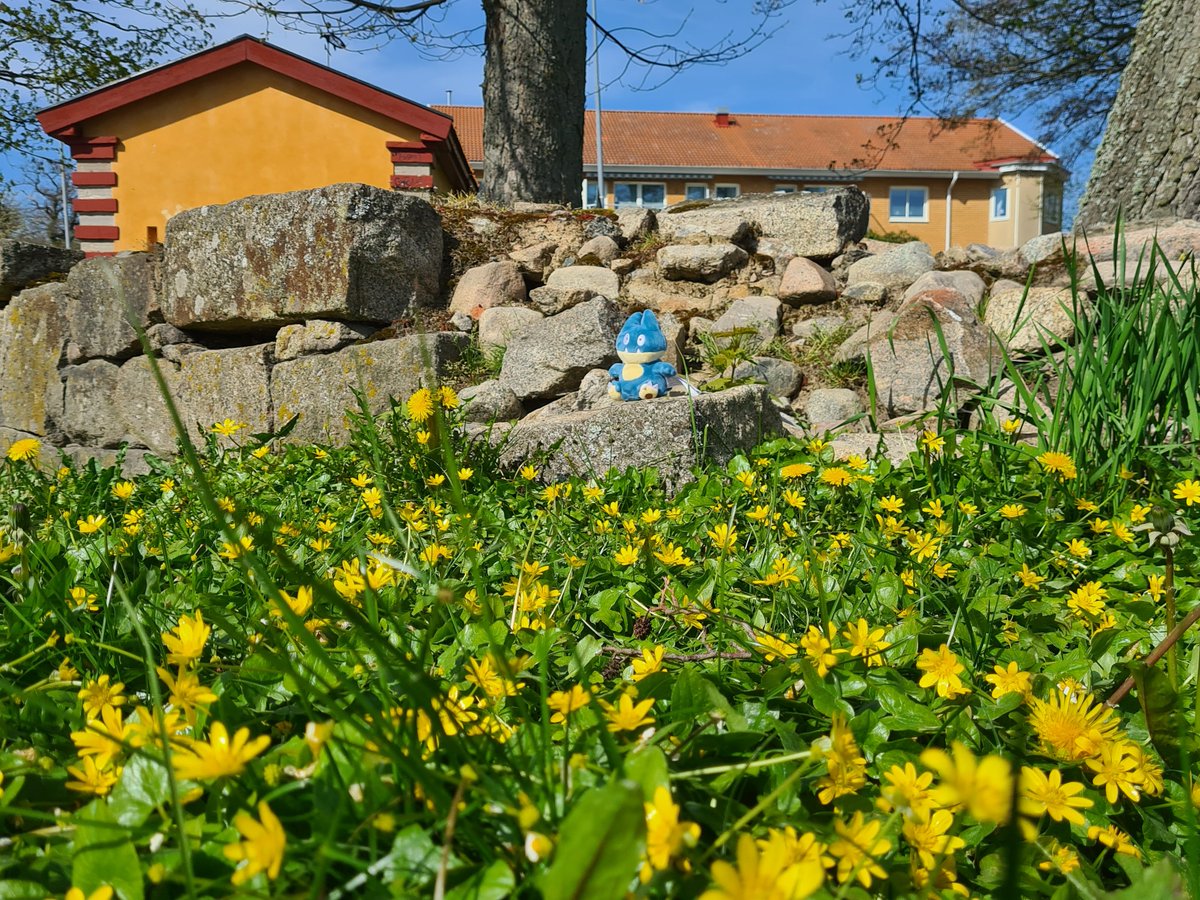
x=242, y=131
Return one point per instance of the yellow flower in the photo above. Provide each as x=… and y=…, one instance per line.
x=796, y=470
x=983, y=787
x=26, y=448
x=186, y=642
x=927, y=836
x=103, y=738
x=866, y=642
x=104, y=892
x=672, y=555
x=566, y=702
x=934, y=508
x=1048, y=794
x=123, y=490
x=1114, y=838
x=1155, y=586
x=766, y=875
x=775, y=647
x=723, y=537
x=906, y=791
x=262, y=847
x=1059, y=464
x=1117, y=772
x=420, y=405
x=91, y=524
x=626, y=715
x=626, y=556
x=228, y=427
x=666, y=836
x=1079, y=548
x=236, y=550
x=99, y=695
x=1072, y=727
x=650, y=662
x=1012, y=510
x=1030, y=578
x=299, y=604
x=220, y=756
x=857, y=850
x=836, y=476
x=92, y=778
x=922, y=546
x=449, y=399
x=942, y=668
x=818, y=647
x=1088, y=598
x=528, y=472
x=1009, y=680
x=186, y=690
x=933, y=442
x=1187, y=491
x=794, y=499
x=83, y=599
x=782, y=572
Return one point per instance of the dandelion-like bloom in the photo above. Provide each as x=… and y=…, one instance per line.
x=857, y=850
x=420, y=405
x=835, y=476
x=1088, y=599
x=1059, y=464
x=866, y=643
x=220, y=756
x=186, y=642
x=1072, y=728
x=26, y=448
x=796, y=470
x=626, y=714
x=942, y=670
x=650, y=662
x=768, y=874
x=262, y=847
x=228, y=427
x=983, y=787
x=91, y=524
x=91, y=778
x=666, y=836
x=1117, y=771
x=927, y=836
x=566, y=702
x=101, y=694
x=1010, y=680
x=1050, y=795
x=1188, y=491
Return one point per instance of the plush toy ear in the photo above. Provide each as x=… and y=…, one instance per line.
x=649, y=320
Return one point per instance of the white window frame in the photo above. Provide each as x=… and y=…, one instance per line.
x=638, y=186
x=696, y=184
x=592, y=182
x=785, y=189
x=736, y=187
x=924, y=204
x=1007, y=203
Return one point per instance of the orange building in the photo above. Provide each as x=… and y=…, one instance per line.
x=982, y=181
x=238, y=119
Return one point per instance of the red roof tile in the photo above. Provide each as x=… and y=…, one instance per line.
x=778, y=142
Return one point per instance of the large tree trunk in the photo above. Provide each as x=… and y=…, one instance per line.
x=533, y=94
x=1148, y=164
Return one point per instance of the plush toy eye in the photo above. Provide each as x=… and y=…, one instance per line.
x=625, y=341
x=641, y=339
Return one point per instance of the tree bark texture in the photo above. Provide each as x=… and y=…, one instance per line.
x=534, y=81
x=1148, y=164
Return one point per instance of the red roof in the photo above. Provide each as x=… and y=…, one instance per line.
x=778, y=142
x=62, y=119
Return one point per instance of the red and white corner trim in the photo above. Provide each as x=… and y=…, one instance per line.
x=95, y=206
x=412, y=164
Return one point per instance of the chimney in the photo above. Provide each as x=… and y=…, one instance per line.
x=722, y=120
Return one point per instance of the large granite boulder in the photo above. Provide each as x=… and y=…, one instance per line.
x=498, y=324
x=23, y=264
x=910, y=369
x=819, y=226
x=895, y=269
x=806, y=282
x=145, y=419
x=316, y=336
x=549, y=358
x=215, y=385
x=91, y=415
x=598, y=279
x=347, y=251
x=967, y=283
x=490, y=401
x=671, y=434
x=320, y=389
x=1025, y=318
x=111, y=297
x=33, y=335
x=762, y=314
x=700, y=262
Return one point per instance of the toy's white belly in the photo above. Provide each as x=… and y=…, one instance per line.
x=631, y=371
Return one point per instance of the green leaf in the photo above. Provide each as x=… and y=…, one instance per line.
x=493, y=883
x=1161, y=706
x=905, y=714
x=103, y=854
x=648, y=767
x=600, y=844
x=21, y=890
x=143, y=787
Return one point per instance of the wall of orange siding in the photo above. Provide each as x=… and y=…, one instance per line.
x=242, y=131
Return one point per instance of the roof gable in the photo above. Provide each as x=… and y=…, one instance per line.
x=65, y=115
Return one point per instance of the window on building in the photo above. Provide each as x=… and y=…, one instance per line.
x=999, y=204
x=151, y=236
x=785, y=189
x=821, y=188
x=727, y=191
x=1052, y=200
x=908, y=204
x=591, y=199
x=695, y=192
x=649, y=195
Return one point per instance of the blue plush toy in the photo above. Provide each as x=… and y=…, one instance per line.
x=641, y=374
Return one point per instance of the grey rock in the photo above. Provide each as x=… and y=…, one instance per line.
x=601, y=225
x=819, y=226
x=623, y=267
x=592, y=278
x=680, y=298
x=759, y=313
x=636, y=224
x=550, y=357
x=672, y=435
x=895, y=270
x=550, y=301
x=164, y=335
x=1042, y=247
x=869, y=293
x=498, y=324
x=316, y=336
x=462, y=322
x=490, y=401
x=176, y=352
x=320, y=389
x=895, y=446
x=33, y=336
x=23, y=264
x=347, y=251
x=831, y=407
x=598, y=251
x=804, y=281
x=698, y=325
x=90, y=414
x=855, y=346
x=910, y=370
x=778, y=253
x=1023, y=320
x=534, y=259
x=111, y=297
x=145, y=419
x=808, y=328
x=781, y=377
x=675, y=330
x=218, y=384
x=700, y=262
x=968, y=284
x=491, y=284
